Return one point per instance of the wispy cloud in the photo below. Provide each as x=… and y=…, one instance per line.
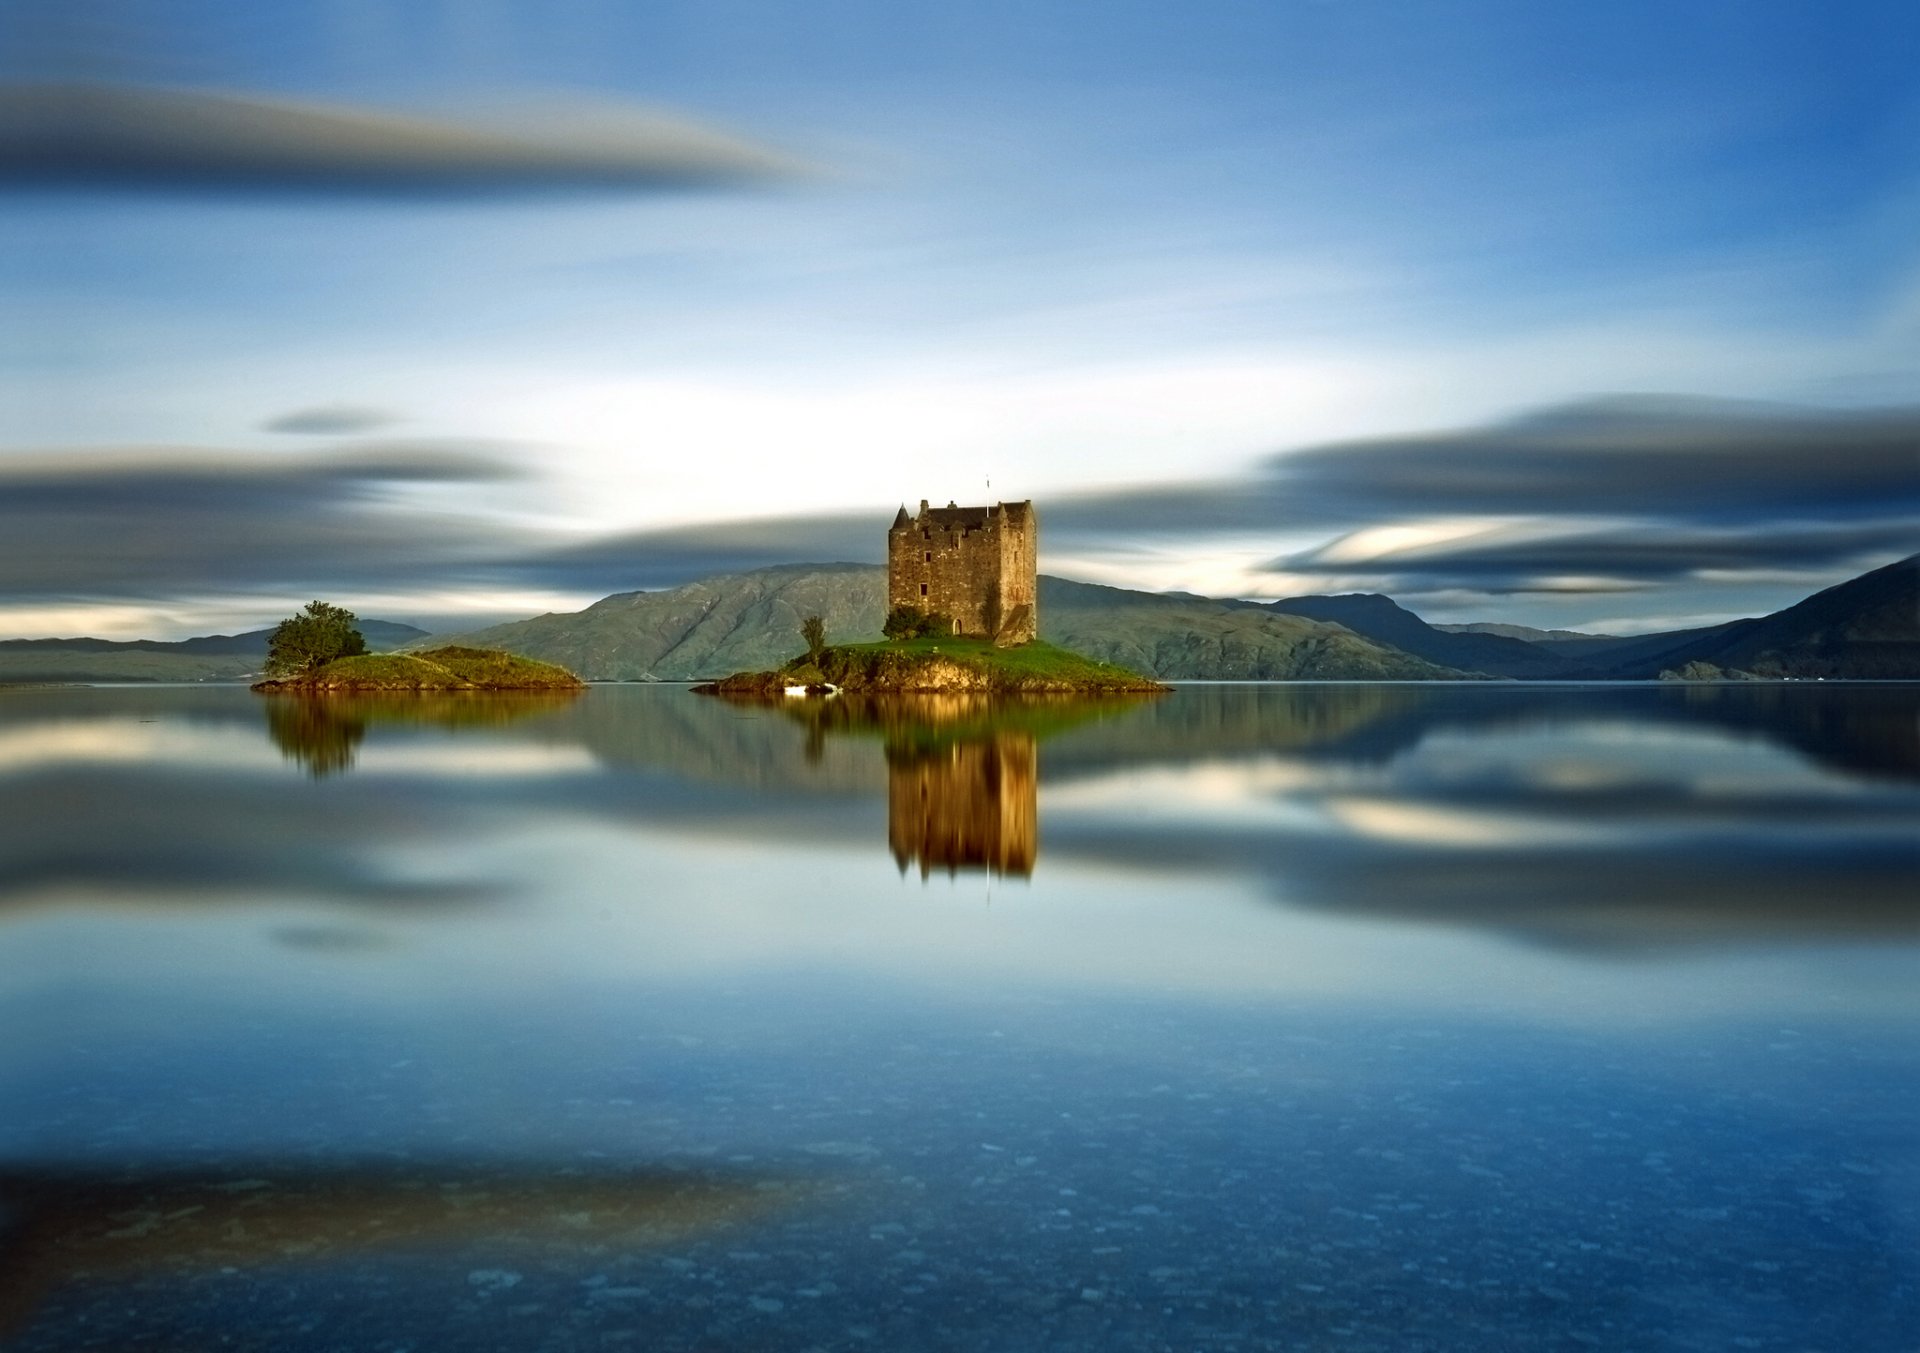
x=334, y=420
x=1596, y=496
x=1600, y=496
x=153, y=136
x=675, y=555
x=154, y=523
x=1685, y=497
x=1625, y=556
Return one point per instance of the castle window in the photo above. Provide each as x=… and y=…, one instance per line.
x=926, y=556
x=923, y=589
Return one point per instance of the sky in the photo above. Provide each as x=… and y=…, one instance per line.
x=1593, y=317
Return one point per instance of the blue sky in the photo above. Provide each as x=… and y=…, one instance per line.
x=1100, y=254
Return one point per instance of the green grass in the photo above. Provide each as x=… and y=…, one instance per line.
x=946, y=663
x=497, y=669
x=438, y=669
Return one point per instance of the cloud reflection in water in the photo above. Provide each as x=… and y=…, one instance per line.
x=1622, y=817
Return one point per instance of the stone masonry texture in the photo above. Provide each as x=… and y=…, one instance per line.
x=975, y=564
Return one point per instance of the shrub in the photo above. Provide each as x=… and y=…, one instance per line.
x=910, y=622
x=312, y=639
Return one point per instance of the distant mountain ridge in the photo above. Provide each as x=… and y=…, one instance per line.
x=213, y=657
x=1865, y=628
x=1384, y=620
x=1525, y=632
x=751, y=621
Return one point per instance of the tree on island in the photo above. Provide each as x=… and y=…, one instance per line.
x=910, y=622
x=312, y=639
x=814, y=631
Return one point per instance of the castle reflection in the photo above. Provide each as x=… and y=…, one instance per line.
x=967, y=805
x=963, y=770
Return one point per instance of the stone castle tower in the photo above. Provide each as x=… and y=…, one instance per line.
x=974, y=564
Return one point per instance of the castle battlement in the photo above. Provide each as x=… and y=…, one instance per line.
x=975, y=564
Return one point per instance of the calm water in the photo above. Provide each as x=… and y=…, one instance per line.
x=1338, y=1017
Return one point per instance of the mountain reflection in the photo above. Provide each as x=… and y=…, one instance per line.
x=323, y=732
x=1616, y=817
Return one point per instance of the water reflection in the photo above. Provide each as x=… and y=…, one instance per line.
x=963, y=770
x=328, y=1017
x=970, y=805
x=1615, y=817
x=323, y=732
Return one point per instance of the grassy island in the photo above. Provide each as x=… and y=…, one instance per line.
x=944, y=663
x=435, y=669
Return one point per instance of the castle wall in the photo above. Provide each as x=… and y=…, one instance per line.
x=1019, y=618
x=973, y=564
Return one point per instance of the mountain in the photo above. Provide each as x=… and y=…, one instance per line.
x=751, y=621
x=1600, y=655
x=213, y=657
x=736, y=622
x=1524, y=632
x=1866, y=628
x=1178, y=638
x=1385, y=621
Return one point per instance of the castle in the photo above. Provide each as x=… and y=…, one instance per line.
x=975, y=565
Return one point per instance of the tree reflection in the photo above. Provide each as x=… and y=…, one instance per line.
x=323, y=732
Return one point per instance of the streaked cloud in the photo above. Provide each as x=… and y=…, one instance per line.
x=1597, y=496
x=1600, y=496
x=334, y=420
x=1674, y=459
x=131, y=136
x=674, y=555
x=153, y=523
x=1613, y=559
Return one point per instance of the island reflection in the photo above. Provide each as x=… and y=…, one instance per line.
x=963, y=770
x=1618, y=818
x=323, y=732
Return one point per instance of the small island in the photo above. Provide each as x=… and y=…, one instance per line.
x=962, y=596
x=939, y=663
x=321, y=650
x=434, y=669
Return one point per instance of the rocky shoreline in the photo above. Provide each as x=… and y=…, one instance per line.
x=947, y=666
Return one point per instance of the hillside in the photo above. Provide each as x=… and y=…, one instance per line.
x=213, y=657
x=1526, y=632
x=452, y=668
x=733, y=623
x=1196, y=639
x=1866, y=628
x=751, y=622
x=1385, y=621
